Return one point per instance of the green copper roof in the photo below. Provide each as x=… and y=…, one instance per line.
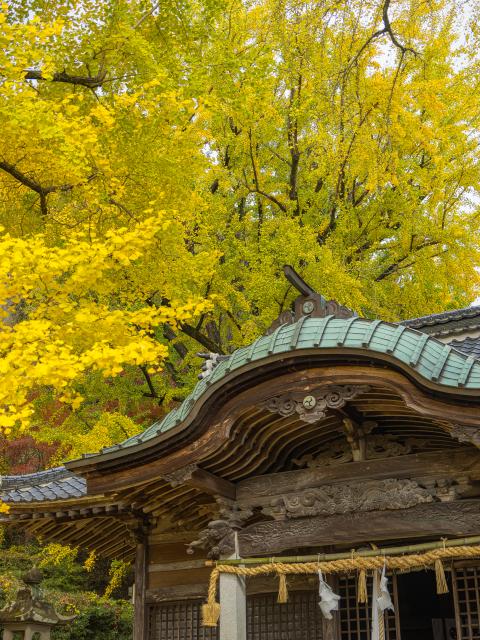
x=429, y=358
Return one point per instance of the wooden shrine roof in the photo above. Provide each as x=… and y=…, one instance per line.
x=414, y=388
x=416, y=353
x=423, y=356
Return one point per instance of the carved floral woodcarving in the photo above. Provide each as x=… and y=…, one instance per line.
x=313, y=406
x=346, y=498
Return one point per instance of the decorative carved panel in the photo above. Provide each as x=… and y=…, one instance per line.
x=312, y=305
x=377, y=446
x=457, y=518
x=313, y=406
x=346, y=498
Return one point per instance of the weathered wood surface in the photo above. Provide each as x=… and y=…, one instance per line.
x=139, y=622
x=212, y=484
x=460, y=518
x=261, y=584
x=435, y=464
x=347, y=497
x=176, y=592
x=158, y=579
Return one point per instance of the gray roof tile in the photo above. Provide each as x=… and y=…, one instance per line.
x=53, y=484
x=470, y=346
x=446, y=323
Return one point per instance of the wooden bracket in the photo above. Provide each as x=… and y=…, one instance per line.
x=192, y=476
x=356, y=434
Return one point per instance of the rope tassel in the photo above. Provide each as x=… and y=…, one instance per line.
x=282, y=589
x=442, y=586
x=210, y=614
x=211, y=608
x=362, y=586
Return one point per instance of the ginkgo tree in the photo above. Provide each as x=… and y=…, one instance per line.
x=73, y=316
x=338, y=136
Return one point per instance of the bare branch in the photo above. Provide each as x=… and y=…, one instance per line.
x=397, y=265
x=31, y=184
x=388, y=29
x=204, y=340
x=148, y=380
x=146, y=15
x=91, y=82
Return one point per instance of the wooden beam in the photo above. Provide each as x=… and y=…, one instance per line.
x=434, y=464
x=192, y=476
x=212, y=484
x=461, y=518
x=139, y=622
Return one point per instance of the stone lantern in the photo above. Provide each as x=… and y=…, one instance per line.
x=30, y=617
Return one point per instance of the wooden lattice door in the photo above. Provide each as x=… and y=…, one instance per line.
x=297, y=619
x=180, y=620
x=355, y=617
x=466, y=592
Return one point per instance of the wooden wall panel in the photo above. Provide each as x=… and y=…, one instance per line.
x=178, y=621
x=162, y=579
x=170, y=552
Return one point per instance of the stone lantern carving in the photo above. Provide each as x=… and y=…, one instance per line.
x=30, y=617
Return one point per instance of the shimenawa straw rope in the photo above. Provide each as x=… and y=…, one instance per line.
x=434, y=557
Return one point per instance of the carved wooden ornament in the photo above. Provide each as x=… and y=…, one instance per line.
x=377, y=446
x=465, y=433
x=180, y=476
x=347, y=498
x=313, y=406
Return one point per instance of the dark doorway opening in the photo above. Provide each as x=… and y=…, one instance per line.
x=424, y=615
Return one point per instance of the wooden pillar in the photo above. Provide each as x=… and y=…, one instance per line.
x=233, y=608
x=140, y=622
x=233, y=605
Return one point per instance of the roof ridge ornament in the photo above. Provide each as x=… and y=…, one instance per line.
x=308, y=304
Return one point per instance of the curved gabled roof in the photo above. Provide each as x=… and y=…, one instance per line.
x=424, y=356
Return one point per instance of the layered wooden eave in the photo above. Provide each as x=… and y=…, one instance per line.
x=175, y=478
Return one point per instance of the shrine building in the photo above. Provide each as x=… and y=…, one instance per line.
x=332, y=442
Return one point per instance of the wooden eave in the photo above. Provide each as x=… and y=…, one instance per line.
x=433, y=366
x=242, y=385
x=223, y=434
x=256, y=442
